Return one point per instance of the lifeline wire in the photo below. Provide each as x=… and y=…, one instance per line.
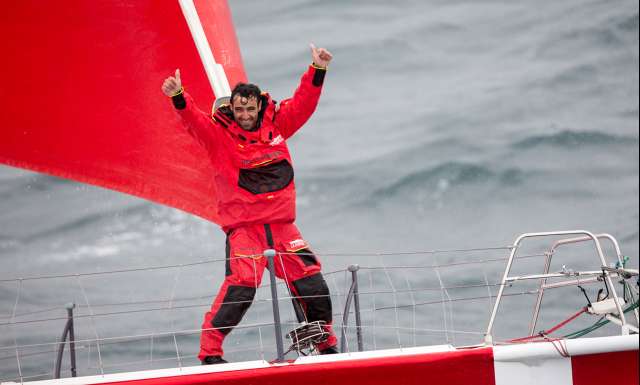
x=207, y=261
x=336, y=291
x=263, y=287
x=171, y=302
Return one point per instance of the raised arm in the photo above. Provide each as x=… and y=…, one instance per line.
x=199, y=124
x=294, y=112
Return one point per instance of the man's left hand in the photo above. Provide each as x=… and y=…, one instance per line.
x=321, y=57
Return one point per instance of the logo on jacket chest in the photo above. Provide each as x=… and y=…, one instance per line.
x=261, y=159
x=277, y=140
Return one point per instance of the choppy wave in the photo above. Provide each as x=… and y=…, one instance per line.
x=451, y=174
x=630, y=23
x=574, y=139
x=86, y=221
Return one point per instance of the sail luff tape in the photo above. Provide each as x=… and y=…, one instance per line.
x=215, y=72
x=224, y=82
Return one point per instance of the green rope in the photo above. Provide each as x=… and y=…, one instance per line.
x=598, y=324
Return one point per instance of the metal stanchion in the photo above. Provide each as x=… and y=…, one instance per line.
x=353, y=294
x=356, y=303
x=270, y=254
x=68, y=331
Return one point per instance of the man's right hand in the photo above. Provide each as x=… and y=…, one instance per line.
x=172, y=85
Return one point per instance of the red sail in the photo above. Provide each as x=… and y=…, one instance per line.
x=81, y=94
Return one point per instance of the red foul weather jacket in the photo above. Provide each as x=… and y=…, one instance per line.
x=253, y=169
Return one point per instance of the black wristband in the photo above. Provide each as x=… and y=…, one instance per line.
x=179, y=102
x=318, y=76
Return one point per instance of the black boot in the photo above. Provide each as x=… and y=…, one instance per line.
x=211, y=360
x=330, y=350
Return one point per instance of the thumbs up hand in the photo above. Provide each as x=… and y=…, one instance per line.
x=172, y=85
x=321, y=57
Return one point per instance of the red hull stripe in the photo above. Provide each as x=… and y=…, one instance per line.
x=449, y=368
x=620, y=368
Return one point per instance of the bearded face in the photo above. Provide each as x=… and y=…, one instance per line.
x=245, y=111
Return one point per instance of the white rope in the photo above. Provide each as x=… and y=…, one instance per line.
x=395, y=301
x=53, y=361
x=261, y=343
x=257, y=284
x=444, y=306
x=486, y=281
x=176, y=279
x=287, y=282
x=375, y=346
x=413, y=318
x=88, y=355
x=175, y=343
x=346, y=340
x=337, y=294
x=151, y=340
x=15, y=337
x=92, y=322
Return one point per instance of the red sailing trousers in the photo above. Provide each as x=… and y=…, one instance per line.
x=295, y=263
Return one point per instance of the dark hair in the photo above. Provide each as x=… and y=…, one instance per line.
x=247, y=90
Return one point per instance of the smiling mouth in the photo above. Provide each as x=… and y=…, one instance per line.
x=246, y=124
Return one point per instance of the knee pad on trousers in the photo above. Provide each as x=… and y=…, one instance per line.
x=318, y=305
x=235, y=304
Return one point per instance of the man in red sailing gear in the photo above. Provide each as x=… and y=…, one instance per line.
x=246, y=142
